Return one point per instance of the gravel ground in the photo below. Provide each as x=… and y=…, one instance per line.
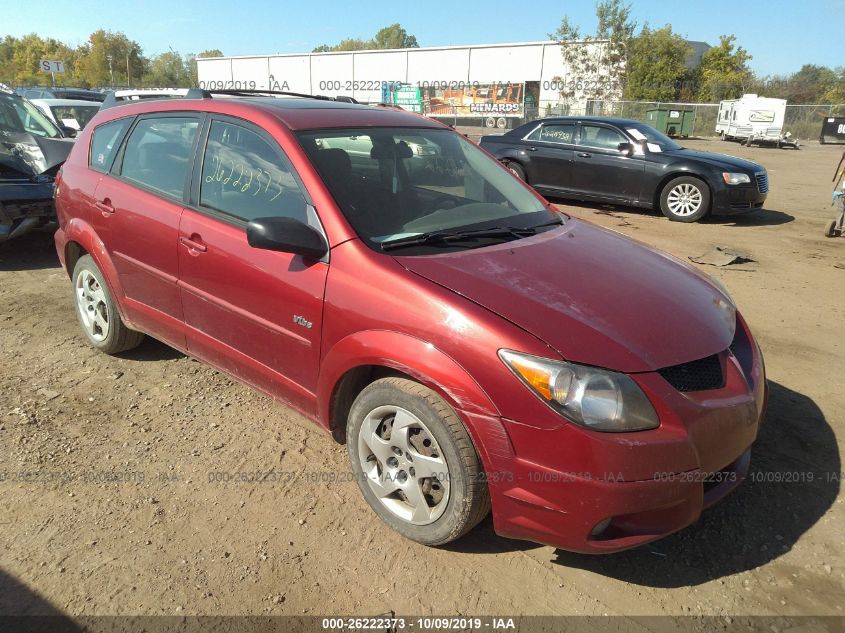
x=111, y=498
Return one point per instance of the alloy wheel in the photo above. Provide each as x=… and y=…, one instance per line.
x=403, y=465
x=684, y=199
x=92, y=305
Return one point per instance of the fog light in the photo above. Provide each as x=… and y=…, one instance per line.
x=599, y=527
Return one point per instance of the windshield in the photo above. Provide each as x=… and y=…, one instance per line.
x=655, y=139
x=394, y=183
x=75, y=116
x=18, y=116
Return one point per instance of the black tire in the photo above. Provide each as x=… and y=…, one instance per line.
x=118, y=338
x=468, y=500
x=516, y=169
x=687, y=183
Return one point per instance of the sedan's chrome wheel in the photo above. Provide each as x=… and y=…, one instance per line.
x=684, y=199
x=403, y=465
x=92, y=305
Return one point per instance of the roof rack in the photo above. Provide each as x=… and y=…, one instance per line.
x=202, y=93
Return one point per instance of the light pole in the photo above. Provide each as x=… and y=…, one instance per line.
x=111, y=72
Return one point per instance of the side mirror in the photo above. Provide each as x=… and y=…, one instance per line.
x=68, y=131
x=627, y=149
x=286, y=235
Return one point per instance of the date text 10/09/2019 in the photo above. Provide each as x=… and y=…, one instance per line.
x=430, y=623
x=273, y=84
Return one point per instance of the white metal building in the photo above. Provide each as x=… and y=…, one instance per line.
x=360, y=74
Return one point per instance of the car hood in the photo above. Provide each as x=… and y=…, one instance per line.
x=722, y=161
x=593, y=295
x=31, y=155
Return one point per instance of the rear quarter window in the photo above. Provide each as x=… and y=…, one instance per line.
x=105, y=139
x=158, y=153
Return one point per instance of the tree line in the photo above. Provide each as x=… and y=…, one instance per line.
x=105, y=59
x=645, y=64
x=657, y=64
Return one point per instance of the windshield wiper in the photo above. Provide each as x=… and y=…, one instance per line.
x=457, y=236
x=556, y=222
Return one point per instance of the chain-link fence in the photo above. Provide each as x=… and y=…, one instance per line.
x=805, y=121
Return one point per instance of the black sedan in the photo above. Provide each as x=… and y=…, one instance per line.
x=627, y=162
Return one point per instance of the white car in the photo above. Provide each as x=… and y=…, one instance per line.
x=67, y=113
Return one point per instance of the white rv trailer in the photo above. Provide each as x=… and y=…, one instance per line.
x=751, y=116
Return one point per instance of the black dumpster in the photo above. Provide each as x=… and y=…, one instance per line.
x=833, y=130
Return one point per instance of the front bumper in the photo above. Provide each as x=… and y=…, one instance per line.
x=592, y=492
x=24, y=207
x=734, y=199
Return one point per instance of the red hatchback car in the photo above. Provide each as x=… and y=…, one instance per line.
x=387, y=278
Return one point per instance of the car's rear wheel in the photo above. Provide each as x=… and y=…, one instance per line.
x=415, y=462
x=97, y=312
x=516, y=169
x=685, y=199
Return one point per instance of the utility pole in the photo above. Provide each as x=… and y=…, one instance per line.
x=111, y=72
x=128, y=82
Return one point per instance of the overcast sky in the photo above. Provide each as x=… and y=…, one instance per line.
x=782, y=35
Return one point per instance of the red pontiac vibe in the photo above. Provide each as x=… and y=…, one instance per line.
x=376, y=271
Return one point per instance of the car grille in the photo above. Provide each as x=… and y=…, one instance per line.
x=762, y=181
x=698, y=375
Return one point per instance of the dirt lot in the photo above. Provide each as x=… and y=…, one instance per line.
x=120, y=512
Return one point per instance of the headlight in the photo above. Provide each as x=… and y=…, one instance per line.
x=735, y=179
x=597, y=399
x=726, y=307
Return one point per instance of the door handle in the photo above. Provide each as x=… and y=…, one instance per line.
x=104, y=206
x=194, y=243
x=532, y=149
x=583, y=155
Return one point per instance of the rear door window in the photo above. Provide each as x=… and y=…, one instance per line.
x=105, y=139
x=158, y=153
x=601, y=137
x=245, y=176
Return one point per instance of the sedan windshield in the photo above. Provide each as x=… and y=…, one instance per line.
x=398, y=183
x=18, y=115
x=641, y=131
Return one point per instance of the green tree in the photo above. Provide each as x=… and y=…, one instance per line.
x=810, y=84
x=393, y=36
x=191, y=63
x=723, y=72
x=835, y=92
x=127, y=64
x=19, y=59
x=167, y=70
x=596, y=63
x=7, y=59
x=657, y=65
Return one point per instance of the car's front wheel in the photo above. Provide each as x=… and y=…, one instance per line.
x=415, y=462
x=685, y=199
x=97, y=312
